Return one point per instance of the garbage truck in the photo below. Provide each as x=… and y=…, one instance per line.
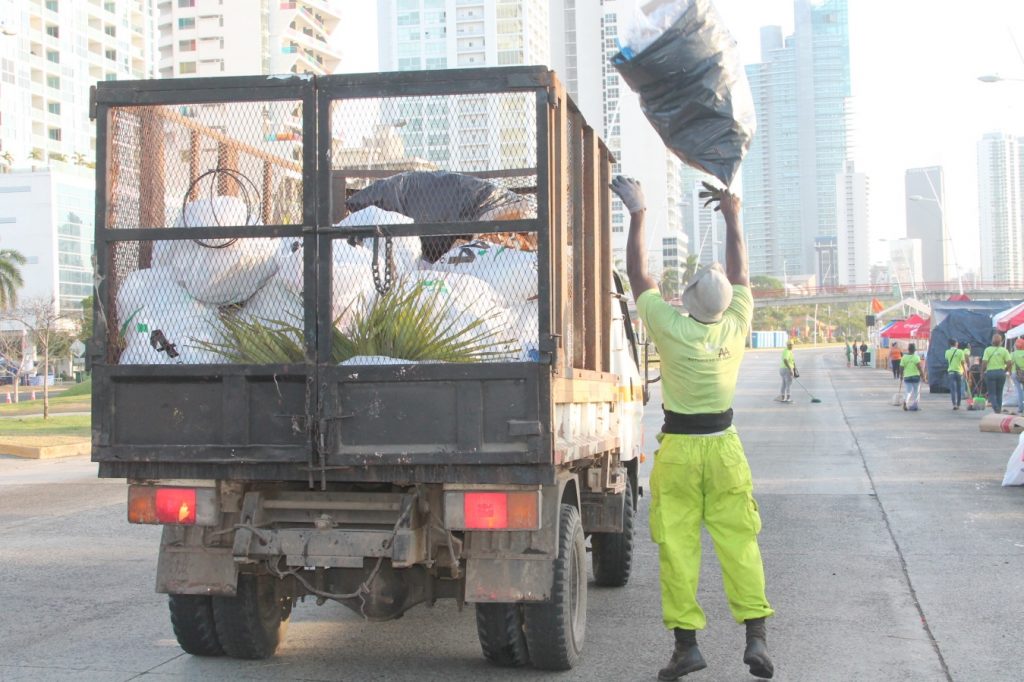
x=359, y=338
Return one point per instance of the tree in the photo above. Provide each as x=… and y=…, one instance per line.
x=85, y=333
x=8, y=161
x=690, y=268
x=766, y=283
x=671, y=283
x=10, y=277
x=52, y=332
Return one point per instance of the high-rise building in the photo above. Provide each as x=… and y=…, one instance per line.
x=246, y=37
x=51, y=52
x=926, y=220
x=703, y=227
x=905, y=264
x=1001, y=207
x=853, y=238
x=801, y=92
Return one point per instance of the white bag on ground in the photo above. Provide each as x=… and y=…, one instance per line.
x=218, y=271
x=1015, y=467
x=512, y=273
x=151, y=306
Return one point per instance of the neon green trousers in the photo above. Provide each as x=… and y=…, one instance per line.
x=705, y=479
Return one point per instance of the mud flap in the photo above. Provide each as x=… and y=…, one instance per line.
x=185, y=566
x=509, y=580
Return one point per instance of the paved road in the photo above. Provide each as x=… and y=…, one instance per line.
x=891, y=551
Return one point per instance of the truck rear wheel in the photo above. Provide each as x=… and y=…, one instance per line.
x=192, y=620
x=500, y=629
x=253, y=623
x=555, y=629
x=613, y=552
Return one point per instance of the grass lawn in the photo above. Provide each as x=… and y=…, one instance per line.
x=77, y=426
x=78, y=398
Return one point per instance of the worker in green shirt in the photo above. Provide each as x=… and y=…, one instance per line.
x=995, y=363
x=955, y=372
x=700, y=472
x=914, y=371
x=1017, y=356
x=787, y=371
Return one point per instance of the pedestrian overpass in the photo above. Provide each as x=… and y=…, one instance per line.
x=924, y=291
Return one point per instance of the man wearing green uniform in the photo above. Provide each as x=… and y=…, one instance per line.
x=995, y=363
x=955, y=372
x=787, y=371
x=913, y=371
x=700, y=472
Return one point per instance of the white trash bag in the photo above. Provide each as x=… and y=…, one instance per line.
x=161, y=323
x=511, y=272
x=1015, y=467
x=218, y=271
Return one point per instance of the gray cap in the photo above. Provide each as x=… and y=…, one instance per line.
x=708, y=294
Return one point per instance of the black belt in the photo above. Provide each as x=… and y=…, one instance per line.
x=696, y=424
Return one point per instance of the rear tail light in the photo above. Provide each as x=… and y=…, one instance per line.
x=492, y=510
x=172, y=506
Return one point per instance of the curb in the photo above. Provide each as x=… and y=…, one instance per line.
x=46, y=451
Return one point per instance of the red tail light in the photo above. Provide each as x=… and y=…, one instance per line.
x=486, y=510
x=176, y=505
x=492, y=510
x=173, y=506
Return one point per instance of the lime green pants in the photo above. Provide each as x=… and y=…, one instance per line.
x=705, y=479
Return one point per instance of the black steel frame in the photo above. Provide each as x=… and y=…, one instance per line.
x=323, y=456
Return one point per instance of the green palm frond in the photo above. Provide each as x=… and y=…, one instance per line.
x=10, y=276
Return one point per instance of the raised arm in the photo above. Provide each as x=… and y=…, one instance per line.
x=632, y=196
x=735, y=244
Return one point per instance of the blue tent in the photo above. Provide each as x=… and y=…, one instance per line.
x=971, y=326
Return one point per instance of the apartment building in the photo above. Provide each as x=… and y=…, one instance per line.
x=1001, y=207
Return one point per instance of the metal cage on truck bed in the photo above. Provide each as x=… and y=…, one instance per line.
x=231, y=304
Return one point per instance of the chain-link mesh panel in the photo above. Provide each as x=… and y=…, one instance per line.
x=164, y=157
x=204, y=302
x=464, y=296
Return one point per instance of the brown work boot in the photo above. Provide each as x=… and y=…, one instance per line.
x=686, y=656
x=756, y=653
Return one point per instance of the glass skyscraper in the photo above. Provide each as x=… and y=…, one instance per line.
x=801, y=92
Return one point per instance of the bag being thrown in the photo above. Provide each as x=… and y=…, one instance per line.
x=686, y=68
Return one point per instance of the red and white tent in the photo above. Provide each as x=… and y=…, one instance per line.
x=914, y=327
x=1008, y=319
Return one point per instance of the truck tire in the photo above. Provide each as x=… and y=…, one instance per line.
x=500, y=629
x=613, y=552
x=555, y=629
x=192, y=620
x=253, y=623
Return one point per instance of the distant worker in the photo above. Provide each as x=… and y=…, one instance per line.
x=955, y=372
x=1018, y=372
x=856, y=351
x=914, y=371
x=787, y=371
x=895, y=355
x=995, y=363
x=863, y=354
x=849, y=352
x=700, y=471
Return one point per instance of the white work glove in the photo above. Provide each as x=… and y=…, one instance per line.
x=630, y=192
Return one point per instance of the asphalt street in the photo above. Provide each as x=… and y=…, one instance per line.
x=892, y=553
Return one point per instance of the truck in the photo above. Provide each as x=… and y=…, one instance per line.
x=377, y=482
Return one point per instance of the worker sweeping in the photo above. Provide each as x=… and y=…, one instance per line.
x=787, y=371
x=700, y=472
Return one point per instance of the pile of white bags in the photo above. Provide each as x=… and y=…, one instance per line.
x=218, y=271
x=190, y=286
x=1015, y=467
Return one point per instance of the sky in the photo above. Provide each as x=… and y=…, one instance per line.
x=916, y=97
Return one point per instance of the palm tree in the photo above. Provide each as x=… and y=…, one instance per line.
x=10, y=277
x=8, y=161
x=690, y=268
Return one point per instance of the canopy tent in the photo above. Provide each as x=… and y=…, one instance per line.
x=914, y=327
x=1015, y=332
x=910, y=302
x=1009, y=318
x=966, y=326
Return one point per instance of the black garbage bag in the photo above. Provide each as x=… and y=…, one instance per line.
x=436, y=197
x=694, y=91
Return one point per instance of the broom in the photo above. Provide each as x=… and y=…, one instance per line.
x=813, y=399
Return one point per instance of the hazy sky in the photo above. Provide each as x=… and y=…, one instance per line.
x=916, y=97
